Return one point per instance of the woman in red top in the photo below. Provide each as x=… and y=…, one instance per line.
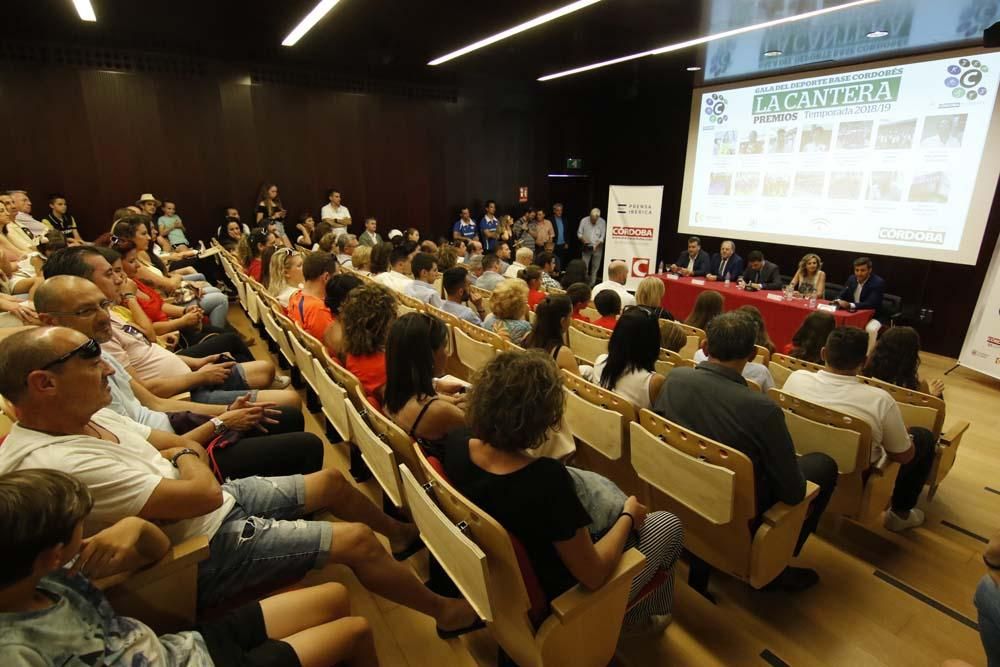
x=579, y=296
x=366, y=316
x=258, y=240
x=533, y=276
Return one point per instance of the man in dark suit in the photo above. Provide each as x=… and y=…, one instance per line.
x=725, y=264
x=864, y=291
x=760, y=273
x=694, y=261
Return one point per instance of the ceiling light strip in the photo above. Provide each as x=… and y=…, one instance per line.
x=321, y=9
x=527, y=25
x=85, y=10
x=708, y=38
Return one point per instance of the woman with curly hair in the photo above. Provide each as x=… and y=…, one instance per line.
x=366, y=316
x=810, y=279
x=811, y=337
x=536, y=499
x=708, y=304
x=509, y=306
x=896, y=360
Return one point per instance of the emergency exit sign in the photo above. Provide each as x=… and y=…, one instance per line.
x=574, y=163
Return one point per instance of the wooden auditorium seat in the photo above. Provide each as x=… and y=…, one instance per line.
x=782, y=365
x=584, y=344
x=475, y=346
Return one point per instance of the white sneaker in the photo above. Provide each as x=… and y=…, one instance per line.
x=898, y=524
x=281, y=381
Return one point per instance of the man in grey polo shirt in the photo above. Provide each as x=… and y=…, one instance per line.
x=714, y=400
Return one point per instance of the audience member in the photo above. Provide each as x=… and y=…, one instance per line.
x=367, y=313
x=694, y=261
x=505, y=233
x=811, y=337
x=726, y=264
x=509, y=306
x=560, y=242
x=285, y=275
x=465, y=227
x=576, y=272
x=455, y=283
x=546, y=261
x=60, y=220
x=609, y=307
x=672, y=337
x=591, y=232
x=713, y=400
x=56, y=379
x=810, y=279
x=27, y=273
x=258, y=240
x=838, y=387
x=399, y=265
x=762, y=338
x=541, y=229
x=23, y=218
x=346, y=243
x=270, y=211
x=503, y=252
x=761, y=274
x=428, y=246
x=231, y=234
x=337, y=289
x=307, y=231
x=532, y=275
x=536, y=498
x=896, y=360
x=552, y=320
x=489, y=231
x=649, y=295
x=412, y=234
x=335, y=213
x=425, y=272
x=523, y=259
x=381, y=258
x=521, y=230
x=629, y=367
x=370, y=237
x=491, y=276
x=579, y=296
x=864, y=291
x=172, y=227
x=474, y=264
x=361, y=260
x=617, y=276
x=307, y=306
x=449, y=256
x=707, y=306
x=13, y=244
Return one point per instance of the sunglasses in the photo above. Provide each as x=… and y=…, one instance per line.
x=89, y=350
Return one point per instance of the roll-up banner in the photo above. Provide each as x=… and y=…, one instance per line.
x=981, y=350
x=633, y=229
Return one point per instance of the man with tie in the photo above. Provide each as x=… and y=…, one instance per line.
x=694, y=261
x=864, y=291
x=761, y=274
x=726, y=264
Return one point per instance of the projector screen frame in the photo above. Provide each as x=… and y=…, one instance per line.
x=980, y=203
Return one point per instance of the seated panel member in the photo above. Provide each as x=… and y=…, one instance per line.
x=726, y=263
x=760, y=273
x=694, y=261
x=864, y=291
x=713, y=399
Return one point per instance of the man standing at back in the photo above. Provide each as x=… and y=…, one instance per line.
x=864, y=291
x=591, y=233
x=561, y=241
x=726, y=264
x=488, y=227
x=334, y=213
x=617, y=277
x=714, y=401
x=465, y=227
x=838, y=387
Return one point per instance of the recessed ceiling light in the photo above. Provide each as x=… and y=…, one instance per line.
x=527, y=25
x=707, y=38
x=693, y=68
x=85, y=10
x=321, y=9
x=875, y=34
x=773, y=53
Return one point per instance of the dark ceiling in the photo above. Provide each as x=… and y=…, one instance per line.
x=396, y=38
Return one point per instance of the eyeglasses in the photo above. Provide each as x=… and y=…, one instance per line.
x=86, y=311
x=89, y=350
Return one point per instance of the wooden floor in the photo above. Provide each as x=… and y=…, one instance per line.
x=883, y=598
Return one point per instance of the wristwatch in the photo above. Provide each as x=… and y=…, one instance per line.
x=186, y=450
x=220, y=426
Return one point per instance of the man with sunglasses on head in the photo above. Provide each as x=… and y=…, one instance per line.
x=214, y=379
x=60, y=386
x=243, y=444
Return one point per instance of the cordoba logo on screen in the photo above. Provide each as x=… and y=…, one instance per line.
x=965, y=79
x=640, y=267
x=635, y=233
x=914, y=235
x=715, y=108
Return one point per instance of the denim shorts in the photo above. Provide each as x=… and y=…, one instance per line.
x=263, y=540
x=227, y=392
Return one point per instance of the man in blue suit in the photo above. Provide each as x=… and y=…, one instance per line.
x=694, y=261
x=864, y=291
x=725, y=264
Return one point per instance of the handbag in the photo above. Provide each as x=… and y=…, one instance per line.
x=601, y=497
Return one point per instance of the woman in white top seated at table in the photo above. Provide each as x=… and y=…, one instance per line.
x=810, y=279
x=628, y=369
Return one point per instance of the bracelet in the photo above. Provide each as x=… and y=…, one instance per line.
x=989, y=564
x=178, y=455
x=630, y=518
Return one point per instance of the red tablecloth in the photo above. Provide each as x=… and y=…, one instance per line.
x=783, y=318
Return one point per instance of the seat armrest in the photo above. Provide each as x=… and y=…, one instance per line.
x=779, y=511
x=954, y=433
x=183, y=555
x=579, y=600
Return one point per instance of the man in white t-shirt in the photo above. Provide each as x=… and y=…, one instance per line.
x=617, y=275
x=336, y=214
x=839, y=388
x=56, y=379
x=399, y=265
x=522, y=260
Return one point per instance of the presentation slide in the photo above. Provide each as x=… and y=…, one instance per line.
x=897, y=159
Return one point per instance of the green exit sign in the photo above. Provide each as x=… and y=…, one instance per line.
x=574, y=163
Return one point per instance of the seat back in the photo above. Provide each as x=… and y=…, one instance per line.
x=918, y=408
x=591, y=329
x=585, y=346
x=590, y=313
x=389, y=432
x=752, y=384
x=380, y=458
x=763, y=355
x=284, y=327
x=692, y=345
x=779, y=373
x=409, y=301
x=333, y=399
x=816, y=428
x=303, y=357
x=484, y=296
x=692, y=331
x=793, y=364
x=345, y=378
x=254, y=303
x=475, y=351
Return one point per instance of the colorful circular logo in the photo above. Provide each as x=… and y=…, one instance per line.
x=966, y=78
x=715, y=108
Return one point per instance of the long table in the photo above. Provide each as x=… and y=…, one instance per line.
x=783, y=318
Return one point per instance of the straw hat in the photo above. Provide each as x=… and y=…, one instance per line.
x=147, y=197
